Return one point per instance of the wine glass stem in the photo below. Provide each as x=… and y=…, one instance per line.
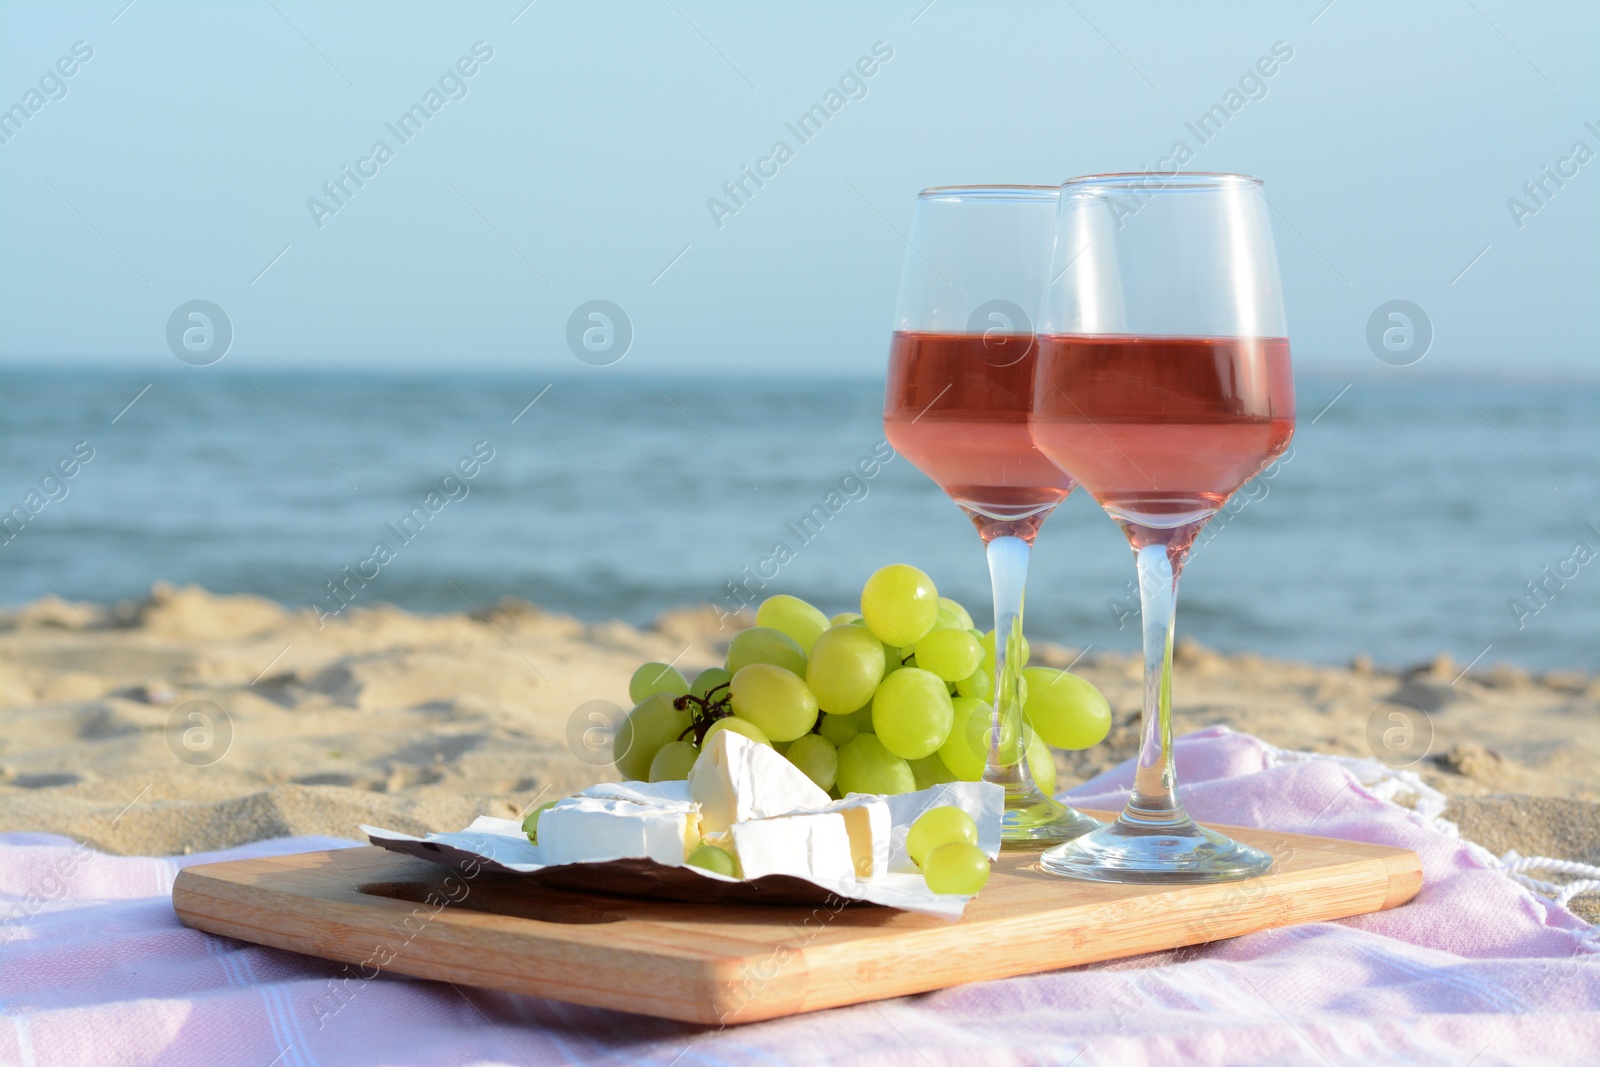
x=1154, y=792
x=1008, y=576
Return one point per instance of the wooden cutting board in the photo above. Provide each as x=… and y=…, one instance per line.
x=736, y=964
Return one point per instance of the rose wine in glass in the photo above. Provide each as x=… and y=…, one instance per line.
x=1166, y=427
x=1163, y=385
x=962, y=366
x=958, y=409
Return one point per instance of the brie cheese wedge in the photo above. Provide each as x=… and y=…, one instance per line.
x=866, y=820
x=810, y=845
x=737, y=779
x=585, y=829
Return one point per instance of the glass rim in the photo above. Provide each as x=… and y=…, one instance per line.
x=991, y=192
x=1155, y=182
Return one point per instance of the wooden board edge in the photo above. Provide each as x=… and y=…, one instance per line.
x=1404, y=868
x=214, y=904
x=1377, y=893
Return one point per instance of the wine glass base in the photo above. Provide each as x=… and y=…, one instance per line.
x=1033, y=820
x=1171, y=850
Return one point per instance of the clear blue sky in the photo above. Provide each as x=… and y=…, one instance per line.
x=579, y=162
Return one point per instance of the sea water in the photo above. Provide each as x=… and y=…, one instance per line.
x=1407, y=520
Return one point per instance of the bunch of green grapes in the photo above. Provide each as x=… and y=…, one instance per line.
x=894, y=698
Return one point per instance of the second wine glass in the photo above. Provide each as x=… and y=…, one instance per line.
x=1163, y=385
x=961, y=371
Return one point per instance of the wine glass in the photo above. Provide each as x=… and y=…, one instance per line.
x=1163, y=385
x=961, y=371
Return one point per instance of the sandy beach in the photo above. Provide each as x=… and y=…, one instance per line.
x=423, y=722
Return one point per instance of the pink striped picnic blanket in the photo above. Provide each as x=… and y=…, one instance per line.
x=95, y=969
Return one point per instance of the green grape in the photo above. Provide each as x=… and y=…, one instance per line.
x=792, y=616
x=912, y=713
x=847, y=618
x=845, y=668
x=652, y=723
x=865, y=766
x=530, y=821
x=816, y=756
x=1065, y=709
x=763, y=644
x=838, y=728
x=863, y=719
x=958, y=868
x=988, y=651
x=899, y=604
x=1041, y=764
x=774, y=699
x=951, y=654
x=709, y=679
x=930, y=771
x=893, y=659
x=965, y=752
x=712, y=858
x=953, y=609
x=781, y=747
x=939, y=826
x=673, y=761
x=655, y=678
x=979, y=684
x=738, y=726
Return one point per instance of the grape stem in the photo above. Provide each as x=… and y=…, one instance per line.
x=703, y=711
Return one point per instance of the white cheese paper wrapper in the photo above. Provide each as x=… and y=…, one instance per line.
x=500, y=845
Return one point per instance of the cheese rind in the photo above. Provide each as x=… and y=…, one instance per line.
x=810, y=845
x=674, y=795
x=585, y=829
x=736, y=779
